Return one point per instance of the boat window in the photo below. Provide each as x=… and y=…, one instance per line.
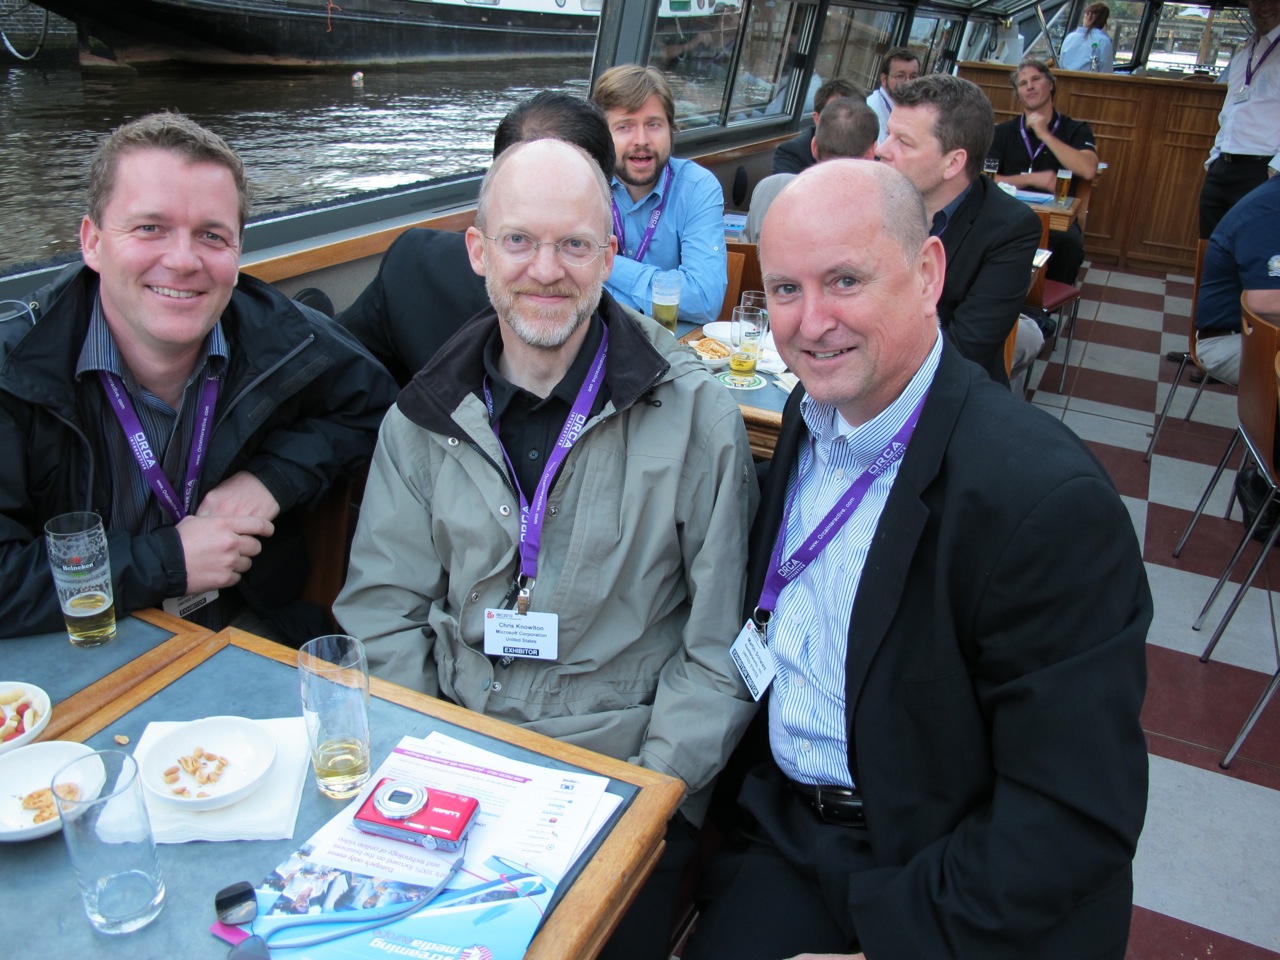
x=735, y=61
x=1197, y=40
x=854, y=42
x=935, y=40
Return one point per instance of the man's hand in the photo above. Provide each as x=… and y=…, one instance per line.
x=219, y=550
x=240, y=495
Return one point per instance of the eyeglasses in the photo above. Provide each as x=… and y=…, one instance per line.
x=573, y=251
x=238, y=904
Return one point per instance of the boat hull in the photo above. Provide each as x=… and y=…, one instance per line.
x=310, y=33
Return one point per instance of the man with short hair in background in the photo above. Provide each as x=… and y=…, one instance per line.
x=1243, y=258
x=668, y=214
x=1032, y=148
x=846, y=128
x=938, y=138
x=567, y=470
x=797, y=153
x=196, y=408
x=425, y=289
x=900, y=66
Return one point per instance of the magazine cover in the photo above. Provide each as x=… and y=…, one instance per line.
x=345, y=882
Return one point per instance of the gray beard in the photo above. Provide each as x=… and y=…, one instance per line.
x=534, y=330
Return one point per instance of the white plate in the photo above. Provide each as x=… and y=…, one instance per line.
x=248, y=747
x=720, y=330
x=31, y=768
x=39, y=700
x=708, y=362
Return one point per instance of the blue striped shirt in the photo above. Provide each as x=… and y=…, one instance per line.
x=133, y=507
x=809, y=631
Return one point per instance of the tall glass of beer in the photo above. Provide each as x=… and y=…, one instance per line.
x=1064, y=186
x=334, y=676
x=747, y=329
x=666, y=298
x=81, y=568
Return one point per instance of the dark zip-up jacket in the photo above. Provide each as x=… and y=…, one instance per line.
x=299, y=409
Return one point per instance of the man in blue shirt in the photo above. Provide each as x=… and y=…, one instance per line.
x=668, y=214
x=1243, y=257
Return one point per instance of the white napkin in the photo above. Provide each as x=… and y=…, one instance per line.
x=770, y=362
x=269, y=813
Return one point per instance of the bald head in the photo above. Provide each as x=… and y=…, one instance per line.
x=853, y=280
x=536, y=165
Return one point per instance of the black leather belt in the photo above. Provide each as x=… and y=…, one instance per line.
x=1211, y=334
x=839, y=805
x=1242, y=158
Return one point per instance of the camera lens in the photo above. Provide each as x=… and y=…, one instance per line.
x=399, y=799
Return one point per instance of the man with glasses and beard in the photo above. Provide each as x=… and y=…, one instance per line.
x=568, y=473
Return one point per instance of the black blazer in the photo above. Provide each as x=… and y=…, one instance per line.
x=995, y=672
x=796, y=154
x=990, y=243
x=424, y=292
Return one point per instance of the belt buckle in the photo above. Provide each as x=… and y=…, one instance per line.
x=828, y=813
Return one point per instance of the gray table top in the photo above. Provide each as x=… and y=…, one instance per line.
x=50, y=661
x=42, y=907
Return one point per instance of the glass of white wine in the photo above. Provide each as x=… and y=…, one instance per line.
x=334, y=676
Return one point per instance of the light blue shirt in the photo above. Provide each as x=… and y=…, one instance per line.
x=689, y=238
x=1077, y=51
x=809, y=632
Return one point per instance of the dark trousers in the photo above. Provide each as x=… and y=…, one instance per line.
x=644, y=932
x=783, y=889
x=1068, y=254
x=1224, y=185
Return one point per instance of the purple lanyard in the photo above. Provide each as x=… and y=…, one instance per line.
x=1249, y=68
x=531, y=515
x=654, y=217
x=885, y=97
x=781, y=574
x=118, y=397
x=1022, y=122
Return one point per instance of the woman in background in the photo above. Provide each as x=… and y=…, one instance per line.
x=1088, y=47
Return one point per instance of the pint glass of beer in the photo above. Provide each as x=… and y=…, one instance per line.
x=82, y=576
x=1064, y=185
x=334, y=676
x=747, y=329
x=666, y=298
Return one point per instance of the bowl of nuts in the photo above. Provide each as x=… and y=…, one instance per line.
x=27, y=808
x=24, y=712
x=712, y=352
x=208, y=764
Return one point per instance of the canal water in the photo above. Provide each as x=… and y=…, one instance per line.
x=305, y=137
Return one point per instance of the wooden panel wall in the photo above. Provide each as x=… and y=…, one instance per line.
x=1154, y=136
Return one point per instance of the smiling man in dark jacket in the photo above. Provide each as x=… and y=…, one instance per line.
x=251, y=405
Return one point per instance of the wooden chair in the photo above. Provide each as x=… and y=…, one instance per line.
x=734, y=266
x=1256, y=410
x=327, y=532
x=751, y=279
x=1053, y=296
x=1269, y=692
x=1190, y=355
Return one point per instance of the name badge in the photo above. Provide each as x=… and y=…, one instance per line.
x=511, y=634
x=1242, y=95
x=753, y=660
x=182, y=606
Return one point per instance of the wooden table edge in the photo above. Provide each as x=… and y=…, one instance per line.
x=70, y=713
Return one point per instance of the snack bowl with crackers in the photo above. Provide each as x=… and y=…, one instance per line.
x=24, y=712
x=208, y=764
x=27, y=809
x=712, y=352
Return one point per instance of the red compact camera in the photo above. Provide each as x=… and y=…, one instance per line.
x=400, y=810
